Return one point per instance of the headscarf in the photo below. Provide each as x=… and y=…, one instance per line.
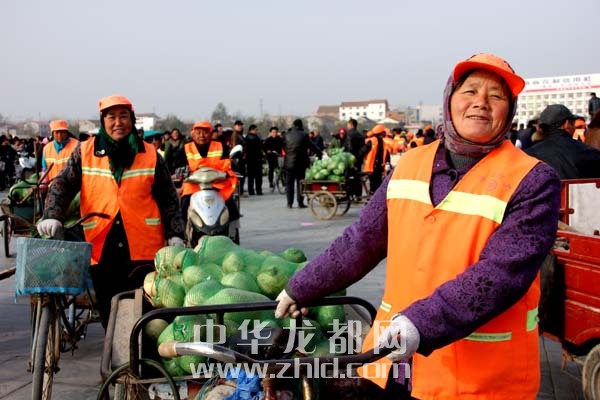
x=120, y=153
x=459, y=145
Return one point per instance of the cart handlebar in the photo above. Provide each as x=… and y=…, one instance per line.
x=226, y=355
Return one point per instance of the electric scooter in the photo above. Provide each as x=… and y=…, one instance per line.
x=208, y=213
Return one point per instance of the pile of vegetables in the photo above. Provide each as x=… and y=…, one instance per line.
x=331, y=169
x=216, y=272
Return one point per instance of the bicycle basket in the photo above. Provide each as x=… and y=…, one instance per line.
x=51, y=266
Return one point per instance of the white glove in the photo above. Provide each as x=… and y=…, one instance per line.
x=51, y=228
x=176, y=241
x=287, y=306
x=404, y=335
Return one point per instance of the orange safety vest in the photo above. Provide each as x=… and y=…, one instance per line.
x=500, y=359
x=400, y=143
x=390, y=145
x=369, y=163
x=58, y=160
x=133, y=198
x=213, y=160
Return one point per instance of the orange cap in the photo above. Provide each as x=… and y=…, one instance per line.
x=203, y=125
x=58, y=125
x=377, y=129
x=492, y=63
x=427, y=127
x=114, y=100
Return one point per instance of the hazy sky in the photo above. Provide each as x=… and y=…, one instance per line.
x=58, y=58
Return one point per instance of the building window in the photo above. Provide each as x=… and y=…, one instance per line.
x=365, y=113
x=381, y=114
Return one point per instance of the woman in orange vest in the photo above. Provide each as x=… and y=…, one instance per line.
x=468, y=221
x=122, y=176
x=56, y=153
x=203, y=151
x=377, y=155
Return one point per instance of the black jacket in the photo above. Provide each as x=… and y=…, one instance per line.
x=355, y=141
x=253, y=149
x=296, y=144
x=572, y=159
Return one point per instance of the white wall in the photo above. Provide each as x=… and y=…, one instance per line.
x=571, y=90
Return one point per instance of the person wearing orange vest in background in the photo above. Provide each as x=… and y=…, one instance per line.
x=400, y=139
x=202, y=151
x=390, y=144
x=124, y=177
x=376, y=154
x=56, y=154
x=468, y=221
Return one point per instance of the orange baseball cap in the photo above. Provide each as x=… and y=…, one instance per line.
x=492, y=63
x=114, y=100
x=58, y=125
x=203, y=125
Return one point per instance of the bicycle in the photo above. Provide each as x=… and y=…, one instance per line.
x=53, y=272
x=279, y=177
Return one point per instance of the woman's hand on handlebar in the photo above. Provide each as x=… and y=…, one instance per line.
x=288, y=307
x=50, y=228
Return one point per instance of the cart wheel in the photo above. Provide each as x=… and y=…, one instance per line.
x=590, y=377
x=343, y=206
x=323, y=205
x=6, y=233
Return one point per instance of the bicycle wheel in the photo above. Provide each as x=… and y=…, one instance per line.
x=343, y=206
x=6, y=233
x=280, y=181
x=323, y=205
x=45, y=359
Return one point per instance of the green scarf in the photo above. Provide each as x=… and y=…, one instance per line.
x=120, y=154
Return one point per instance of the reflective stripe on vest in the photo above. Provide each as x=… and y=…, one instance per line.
x=58, y=160
x=450, y=238
x=464, y=203
x=132, y=198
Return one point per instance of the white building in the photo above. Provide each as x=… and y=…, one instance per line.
x=430, y=113
x=146, y=121
x=374, y=110
x=573, y=91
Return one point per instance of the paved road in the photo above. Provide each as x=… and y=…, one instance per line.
x=266, y=224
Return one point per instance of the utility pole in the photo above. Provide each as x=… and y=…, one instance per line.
x=261, y=108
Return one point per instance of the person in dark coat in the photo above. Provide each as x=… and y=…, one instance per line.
x=272, y=146
x=296, y=145
x=572, y=159
x=254, y=161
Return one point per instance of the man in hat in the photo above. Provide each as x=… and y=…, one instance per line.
x=572, y=159
x=57, y=153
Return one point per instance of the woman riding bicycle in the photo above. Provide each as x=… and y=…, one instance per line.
x=122, y=176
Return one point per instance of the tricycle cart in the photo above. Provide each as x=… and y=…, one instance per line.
x=570, y=305
x=131, y=361
x=20, y=211
x=326, y=198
